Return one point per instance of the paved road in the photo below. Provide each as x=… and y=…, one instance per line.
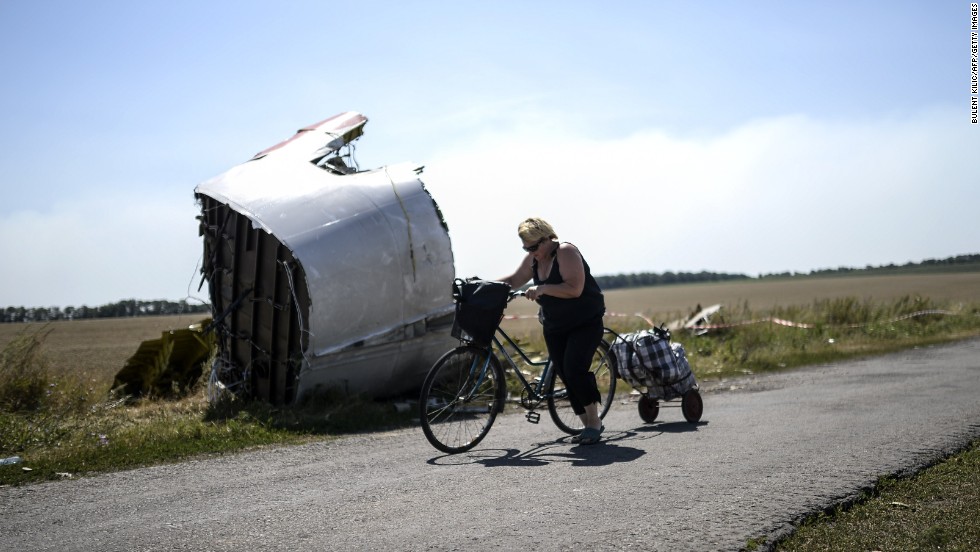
x=766, y=453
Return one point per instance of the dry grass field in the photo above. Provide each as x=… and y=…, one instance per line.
x=97, y=349
x=668, y=303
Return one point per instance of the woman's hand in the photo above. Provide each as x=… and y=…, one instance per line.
x=533, y=293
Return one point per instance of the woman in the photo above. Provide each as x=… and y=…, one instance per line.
x=572, y=307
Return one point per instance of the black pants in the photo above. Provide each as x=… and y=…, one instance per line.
x=571, y=354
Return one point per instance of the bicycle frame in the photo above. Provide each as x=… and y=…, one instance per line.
x=535, y=389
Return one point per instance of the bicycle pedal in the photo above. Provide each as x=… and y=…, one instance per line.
x=533, y=417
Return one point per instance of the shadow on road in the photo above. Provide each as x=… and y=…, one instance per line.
x=610, y=450
x=603, y=453
x=670, y=427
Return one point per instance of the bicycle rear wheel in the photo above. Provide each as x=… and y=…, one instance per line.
x=461, y=397
x=604, y=368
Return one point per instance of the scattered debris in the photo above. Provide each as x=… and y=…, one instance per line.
x=402, y=406
x=700, y=322
x=166, y=367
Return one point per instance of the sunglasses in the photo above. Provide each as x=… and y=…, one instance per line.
x=533, y=248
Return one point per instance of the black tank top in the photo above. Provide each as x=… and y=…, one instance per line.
x=562, y=314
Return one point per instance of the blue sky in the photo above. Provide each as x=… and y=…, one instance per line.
x=750, y=137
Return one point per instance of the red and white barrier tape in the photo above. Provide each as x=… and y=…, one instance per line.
x=792, y=324
x=771, y=320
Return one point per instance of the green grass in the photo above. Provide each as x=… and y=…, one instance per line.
x=116, y=435
x=838, y=329
x=936, y=509
x=60, y=426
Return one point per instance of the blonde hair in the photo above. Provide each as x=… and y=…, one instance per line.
x=535, y=229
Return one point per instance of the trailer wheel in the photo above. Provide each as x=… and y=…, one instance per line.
x=649, y=408
x=692, y=406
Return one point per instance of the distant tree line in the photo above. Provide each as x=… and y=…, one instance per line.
x=121, y=309
x=643, y=279
x=134, y=307
x=950, y=264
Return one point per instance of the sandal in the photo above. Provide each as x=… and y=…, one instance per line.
x=588, y=436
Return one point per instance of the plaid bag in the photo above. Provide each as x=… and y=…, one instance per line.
x=480, y=305
x=648, y=359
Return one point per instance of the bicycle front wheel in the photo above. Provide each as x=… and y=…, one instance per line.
x=604, y=368
x=461, y=397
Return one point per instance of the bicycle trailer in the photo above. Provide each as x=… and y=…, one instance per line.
x=658, y=369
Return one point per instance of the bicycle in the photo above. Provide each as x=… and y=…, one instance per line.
x=465, y=390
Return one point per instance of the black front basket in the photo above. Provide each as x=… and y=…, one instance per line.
x=480, y=305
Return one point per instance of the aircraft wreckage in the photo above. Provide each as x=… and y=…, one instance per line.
x=322, y=275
